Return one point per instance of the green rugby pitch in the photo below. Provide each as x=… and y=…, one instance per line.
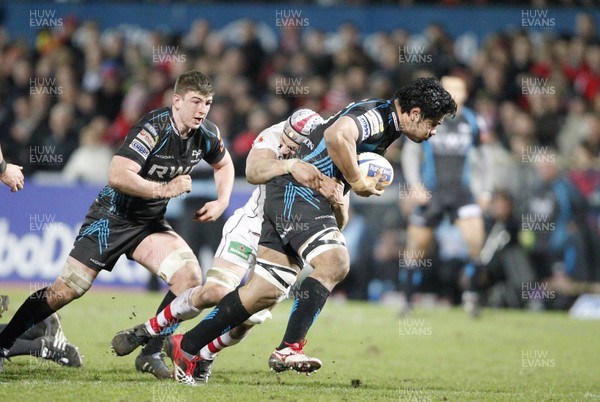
x=369, y=353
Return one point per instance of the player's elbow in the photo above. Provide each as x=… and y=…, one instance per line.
x=331, y=139
x=253, y=172
x=251, y=175
x=114, y=180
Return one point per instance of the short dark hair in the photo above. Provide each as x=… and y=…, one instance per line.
x=429, y=95
x=193, y=81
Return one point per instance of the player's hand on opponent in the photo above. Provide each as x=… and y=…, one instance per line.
x=210, y=212
x=332, y=189
x=13, y=177
x=179, y=185
x=306, y=174
x=368, y=186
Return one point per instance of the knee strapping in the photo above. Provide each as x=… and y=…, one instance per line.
x=76, y=278
x=224, y=277
x=281, y=277
x=175, y=261
x=322, y=241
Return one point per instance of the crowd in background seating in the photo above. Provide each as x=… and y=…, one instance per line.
x=68, y=100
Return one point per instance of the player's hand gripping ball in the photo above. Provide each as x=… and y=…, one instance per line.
x=370, y=163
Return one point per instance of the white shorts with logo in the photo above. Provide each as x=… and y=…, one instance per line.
x=239, y=243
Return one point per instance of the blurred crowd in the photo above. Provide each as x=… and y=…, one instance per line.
x=70, y=99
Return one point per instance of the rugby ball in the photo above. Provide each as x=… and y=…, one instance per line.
x=369, y=163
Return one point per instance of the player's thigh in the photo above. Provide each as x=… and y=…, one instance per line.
x=167, y=255
x=469, y=222
x=277, y=257
x=421, y=223
x=473, y=232
x=419, y=238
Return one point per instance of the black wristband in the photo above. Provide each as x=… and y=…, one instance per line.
x=2, y=166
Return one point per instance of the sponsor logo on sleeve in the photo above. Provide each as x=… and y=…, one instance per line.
x=375, y=121
x=147, y=139
x=150, y=128
x=140, y=148
x=396, y=125
x=364, y=125
x=371, y=123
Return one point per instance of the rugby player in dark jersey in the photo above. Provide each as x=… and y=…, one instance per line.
x=299, y=223
x=151, y=167
x=47, y=339
x=439, y=175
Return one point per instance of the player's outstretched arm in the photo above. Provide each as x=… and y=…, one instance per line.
x=224, y=176
x=262, y=165
x=11, y=175
x=340, y=139
x=123, y=176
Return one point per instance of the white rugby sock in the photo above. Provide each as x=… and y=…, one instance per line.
x=178, y=310
x=209, y=352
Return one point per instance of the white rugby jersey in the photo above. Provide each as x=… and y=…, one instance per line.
x=269, y=138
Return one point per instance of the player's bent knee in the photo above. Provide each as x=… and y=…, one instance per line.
x=223, y=277
x=76, y=279
x=174, y=262
x=265, y=301
x=338, y=266
x=210, y=295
